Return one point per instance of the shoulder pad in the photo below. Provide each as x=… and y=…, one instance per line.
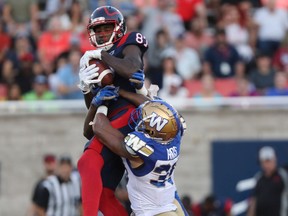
x=135, y=38
x=137, y=145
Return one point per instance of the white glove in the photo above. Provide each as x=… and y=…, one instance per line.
x=91, y=54
x=87, y=77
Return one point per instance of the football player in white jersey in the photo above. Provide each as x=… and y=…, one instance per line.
x=149, y=153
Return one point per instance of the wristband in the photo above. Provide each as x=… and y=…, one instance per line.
x=102, y=109
x=142, y=91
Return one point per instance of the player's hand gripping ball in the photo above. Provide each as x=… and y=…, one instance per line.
x=105, y=76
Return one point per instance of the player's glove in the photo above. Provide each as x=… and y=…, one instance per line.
x=137, y=79
x=88, y=55
x=95, y=89
x=87, y=77
x=105, y=95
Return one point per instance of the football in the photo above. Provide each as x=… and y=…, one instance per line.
x=105, y=73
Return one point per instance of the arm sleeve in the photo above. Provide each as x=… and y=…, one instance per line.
x=41, y=197
x=137, y=145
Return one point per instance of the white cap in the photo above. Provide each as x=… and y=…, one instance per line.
x=267, y=153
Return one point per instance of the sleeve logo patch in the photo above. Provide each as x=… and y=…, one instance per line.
x=138, y=145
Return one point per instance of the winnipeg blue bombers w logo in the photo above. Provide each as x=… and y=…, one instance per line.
x=158, y=121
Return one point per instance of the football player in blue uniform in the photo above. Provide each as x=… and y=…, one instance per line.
x=150, y=152
x=100, y=169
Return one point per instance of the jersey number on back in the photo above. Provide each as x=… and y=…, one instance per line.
x=164, y=172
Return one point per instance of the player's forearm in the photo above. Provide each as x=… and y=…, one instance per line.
x=88, y=98
x=87, y=130
x=134, y=98
x=126, y=66
x=109, y=136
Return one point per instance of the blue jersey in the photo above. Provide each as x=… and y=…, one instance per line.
x=151, y=187
x=133, y=38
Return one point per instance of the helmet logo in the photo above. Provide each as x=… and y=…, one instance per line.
x=158, y=121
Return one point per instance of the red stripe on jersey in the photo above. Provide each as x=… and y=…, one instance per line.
x=123, y=40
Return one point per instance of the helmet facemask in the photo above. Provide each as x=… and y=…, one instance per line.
x=103, y=34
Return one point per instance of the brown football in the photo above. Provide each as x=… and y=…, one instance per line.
x=105, y=73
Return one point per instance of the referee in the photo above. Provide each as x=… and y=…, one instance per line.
x=270, y=193
x=59, y=195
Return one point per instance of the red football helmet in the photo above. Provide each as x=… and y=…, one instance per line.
x=106, y=26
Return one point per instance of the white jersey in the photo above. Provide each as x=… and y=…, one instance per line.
x=151, y=187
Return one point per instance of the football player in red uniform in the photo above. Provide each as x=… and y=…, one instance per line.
x=100, y=169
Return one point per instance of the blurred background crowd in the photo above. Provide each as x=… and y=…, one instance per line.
x=197, y=49
x=212, y=48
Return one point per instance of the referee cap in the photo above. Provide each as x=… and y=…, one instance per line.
x=65, y=159
x=267, y=153
x=49, y=158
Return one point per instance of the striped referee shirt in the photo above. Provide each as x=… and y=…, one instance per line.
x=64, y=197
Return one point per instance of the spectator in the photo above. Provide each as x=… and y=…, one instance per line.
x=188, y=10
x=58, y=7
x=188, y=63
x=280, y=86
x=59, y=194
x=263, y=75
x=22, y=49
x=8, y=73
x=49, y=164
x=198, y=37
x=82, y=35
x=208, y=88
x=172, y=82
x=280, y=59
x=244, y=88
x=14, y=92
x=20, y=14
x=222, y=60
x=76, y=16
x=273, y=25
x=154, y=57
x=133, y=21
x=246, y=9
x=161, y=17
x=237, y=34
x=40, y=90
x=270, y=193
x=279, y=3
x=67, y=78
x=52, y=42
x=5, y=41
x=213, y=206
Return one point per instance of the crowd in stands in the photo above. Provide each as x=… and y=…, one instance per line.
x=198, y=48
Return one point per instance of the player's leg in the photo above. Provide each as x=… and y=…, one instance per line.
x=113, y=171
x=112, y=174
x=181, y=211
x=90, y=165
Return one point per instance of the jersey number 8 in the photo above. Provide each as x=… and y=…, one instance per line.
x=141, y=39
